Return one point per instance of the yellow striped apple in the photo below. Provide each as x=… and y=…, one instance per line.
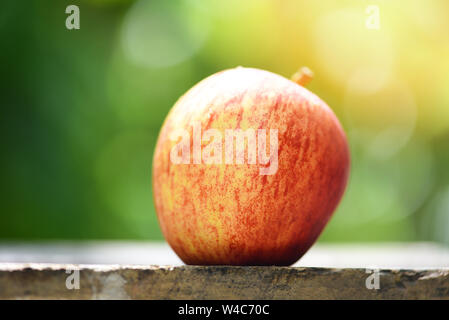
x=248, y=168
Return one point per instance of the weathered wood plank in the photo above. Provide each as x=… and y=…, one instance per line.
x=48, y=281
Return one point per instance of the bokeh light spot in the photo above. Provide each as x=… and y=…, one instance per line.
x=385, y=119
x=161, y=34
x=344, y=45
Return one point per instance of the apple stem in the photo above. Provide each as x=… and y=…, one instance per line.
x=302, y=76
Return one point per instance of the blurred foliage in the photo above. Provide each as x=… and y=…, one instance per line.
x=81, y=109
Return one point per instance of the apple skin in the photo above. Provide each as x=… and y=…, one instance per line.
x=229, y=214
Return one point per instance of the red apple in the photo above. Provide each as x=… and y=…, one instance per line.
x=262, y=198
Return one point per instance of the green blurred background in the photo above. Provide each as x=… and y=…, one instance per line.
x=81, y=109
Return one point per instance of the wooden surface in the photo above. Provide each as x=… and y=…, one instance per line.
x=125, y=270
